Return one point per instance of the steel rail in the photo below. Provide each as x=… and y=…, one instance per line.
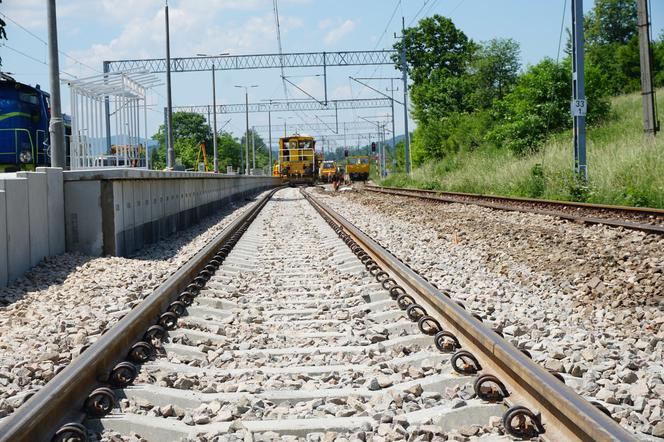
x=61, y=400
x=480, y=200
x=565, y=414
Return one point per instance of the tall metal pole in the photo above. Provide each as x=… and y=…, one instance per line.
x=214, y=119
x=107, y=111
x=579, y=106
x=253, y=149
x=405, y=94
x=56, y=125
x=170, y=153
x=269, y=125
x=246, y=137
x=383, y=159
x=394, y=133
x=325, y=75
x=345, y=142
x=650, y=123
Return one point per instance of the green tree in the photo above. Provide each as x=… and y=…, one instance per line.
x=260, y=148
x=611, y=22
x=437, y=57
x=230, y=151
x=495, y=69
x=434, y=44
x=612, y=43
x=540, y=104
x=658, y=60
x=189, y=131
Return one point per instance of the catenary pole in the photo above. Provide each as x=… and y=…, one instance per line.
x=579, y=106
x=253, y=150
x=404, y=69
x=269, y=123
x=650, y=123
x=214, y=119
x=56, y=126
x=384, y=147
x=394, y=134
x=246, y=137
x=170, y=152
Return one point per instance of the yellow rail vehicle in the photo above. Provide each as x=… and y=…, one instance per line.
x=298, y=163
x=357, y=168
x=328, y=171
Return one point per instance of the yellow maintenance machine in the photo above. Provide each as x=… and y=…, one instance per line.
x=298, y=162
x=357, y=167
x=327, y=171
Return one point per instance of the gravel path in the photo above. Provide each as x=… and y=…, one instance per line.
x=68, y=301
x=587, y=302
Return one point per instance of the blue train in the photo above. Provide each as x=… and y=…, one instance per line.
x=24, y=118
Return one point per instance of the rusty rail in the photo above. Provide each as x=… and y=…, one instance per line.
x=62, y=399
x=509, y=205
x=564, y=414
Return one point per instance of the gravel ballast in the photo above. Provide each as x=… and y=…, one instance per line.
x=65, y=303
x=587, y=302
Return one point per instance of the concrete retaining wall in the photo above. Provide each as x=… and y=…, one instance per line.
x=118, y=211
x=31, y=220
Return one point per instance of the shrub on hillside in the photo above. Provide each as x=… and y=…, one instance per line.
x=540, y=104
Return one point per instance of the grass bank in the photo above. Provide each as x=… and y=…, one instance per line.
x=625, y=167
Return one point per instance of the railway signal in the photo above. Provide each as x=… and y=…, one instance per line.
x=373, y=146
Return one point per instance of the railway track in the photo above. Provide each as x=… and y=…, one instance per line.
x=293, y=323
x=634, y=218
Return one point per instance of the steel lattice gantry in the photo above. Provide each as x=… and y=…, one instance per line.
x=349, y=125
x=257, y=61
x=287, y=106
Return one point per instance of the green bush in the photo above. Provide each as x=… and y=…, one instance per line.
x=625, y=167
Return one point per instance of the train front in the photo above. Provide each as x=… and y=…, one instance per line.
x=297, y=159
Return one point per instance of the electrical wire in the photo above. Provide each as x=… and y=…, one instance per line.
x=46, y=43
x=275, y=6
x=548, y=113
x=34, y=59
x=424, y=5
x=389, y=22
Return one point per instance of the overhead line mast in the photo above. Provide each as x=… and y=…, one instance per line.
x=650, y=123
x=579, y=105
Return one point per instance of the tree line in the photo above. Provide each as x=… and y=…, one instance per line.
x=191, y=130
x=469, y=95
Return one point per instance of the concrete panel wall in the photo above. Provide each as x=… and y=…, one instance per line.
x=142, y=207
x=55, y=210
x=4, y=277
x=83, y=221
x=31, y=220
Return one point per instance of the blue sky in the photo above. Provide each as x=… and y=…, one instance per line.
x=94, y=30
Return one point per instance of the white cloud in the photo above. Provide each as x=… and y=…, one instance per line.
x=340, y=32
x=193, y=30
x=312, y=85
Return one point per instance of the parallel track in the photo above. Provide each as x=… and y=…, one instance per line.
x=296, y=308
x=634, y=218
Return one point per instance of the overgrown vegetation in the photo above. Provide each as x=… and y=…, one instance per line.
x=191, y=130
x=625, y=167
x=485, y=124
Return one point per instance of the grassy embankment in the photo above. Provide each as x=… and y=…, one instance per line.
x=625, y=167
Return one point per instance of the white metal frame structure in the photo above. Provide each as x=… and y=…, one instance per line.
x=126, y=93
